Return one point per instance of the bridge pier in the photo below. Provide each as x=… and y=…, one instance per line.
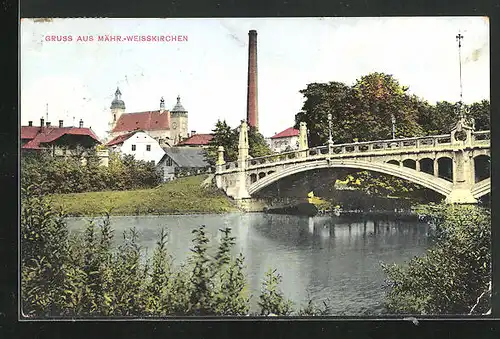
x=461, y=196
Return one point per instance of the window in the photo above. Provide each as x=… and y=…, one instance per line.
x=148, y=147
x=133, y=147
x=169, y=162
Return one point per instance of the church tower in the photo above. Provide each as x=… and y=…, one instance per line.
x=117, y=109
x=179, y=122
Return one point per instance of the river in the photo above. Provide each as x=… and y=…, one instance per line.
x=324, y=258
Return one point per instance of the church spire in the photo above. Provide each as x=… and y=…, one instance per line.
x=178, y=107
x=118, y=102
x=162, y=104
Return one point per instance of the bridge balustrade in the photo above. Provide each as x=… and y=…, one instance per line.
x=481, y=136
x=361, y=147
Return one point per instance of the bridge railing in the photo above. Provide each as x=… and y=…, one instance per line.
x=360, y=147
x=481, y=136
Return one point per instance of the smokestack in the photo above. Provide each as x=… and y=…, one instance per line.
x=30, y=123
x=42, y=122
x=60, y=123
x=80, y=125
x=47, y=124
x=193, y=132
x=252, y=106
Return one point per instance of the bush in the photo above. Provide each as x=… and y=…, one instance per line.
x=78, y=275
x=69, y=175
x=453, y=273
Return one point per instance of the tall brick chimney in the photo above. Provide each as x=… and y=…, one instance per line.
x=252, y=102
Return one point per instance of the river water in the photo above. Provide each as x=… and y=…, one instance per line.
x=323, y=258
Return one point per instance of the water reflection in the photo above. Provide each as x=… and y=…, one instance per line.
x=321, y=257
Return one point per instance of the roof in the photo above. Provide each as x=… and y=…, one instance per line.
x=186, y=156
x=37, y=135
x=29, y=132
x=120, y=139
x=289, y=132
x=146, y=121
x=196, y=140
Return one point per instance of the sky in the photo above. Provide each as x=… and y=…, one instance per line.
x=209, y=70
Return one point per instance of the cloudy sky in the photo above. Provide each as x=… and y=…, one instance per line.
x=209, y=71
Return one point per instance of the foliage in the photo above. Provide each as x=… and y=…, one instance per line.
x=378, y=184
x=226, y=137
x=184, y=195
x=70, y=175
x=44, y=253
x=453, y=273
x=257, y=145
x=271, y=300
x=364, y=111
x=83, y=274
x=480, y=112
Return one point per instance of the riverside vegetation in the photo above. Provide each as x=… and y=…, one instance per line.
x=126, y=187
x=69, y=275
x=181, y=196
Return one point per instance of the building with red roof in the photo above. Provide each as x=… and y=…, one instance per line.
x=57, y=140
x=196, y=140
x=167, y=127
x=287, y=140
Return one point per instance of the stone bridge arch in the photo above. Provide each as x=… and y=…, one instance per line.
x=481, y=188
x=438, y=185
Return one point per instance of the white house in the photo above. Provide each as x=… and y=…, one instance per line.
x=287, y=140
x=139, y=144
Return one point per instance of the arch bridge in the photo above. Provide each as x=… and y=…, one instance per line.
x=447, y=164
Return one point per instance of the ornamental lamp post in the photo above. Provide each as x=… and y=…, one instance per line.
x=393, y=119
x=330, y=140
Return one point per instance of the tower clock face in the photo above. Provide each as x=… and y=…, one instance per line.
x=174, y=125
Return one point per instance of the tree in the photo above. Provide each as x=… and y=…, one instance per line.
x=362, y=111
x=321, y=99
x=228, y=138
x=381, y=97
x=453, y=273
x=223, y=136
x=257, y=145
x=440, y=118
x=481, y=113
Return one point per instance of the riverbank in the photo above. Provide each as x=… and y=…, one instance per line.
x=182, y=196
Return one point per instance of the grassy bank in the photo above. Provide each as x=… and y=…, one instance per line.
x=182, y=196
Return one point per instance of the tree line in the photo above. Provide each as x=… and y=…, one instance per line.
x=364, y=111
x=71, y=175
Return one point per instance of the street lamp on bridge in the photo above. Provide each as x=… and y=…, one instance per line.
x=330, y=140
x=393, y=119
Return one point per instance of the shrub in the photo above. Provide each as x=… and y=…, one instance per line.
x=453, y=273
x=69, y=175
x=82, y=274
